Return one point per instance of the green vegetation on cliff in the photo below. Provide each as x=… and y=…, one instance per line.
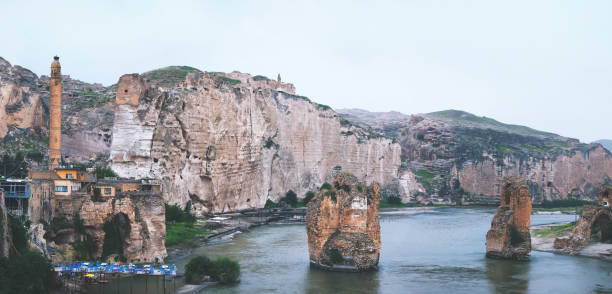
x=463, y=118
x=168, y=76
x=180, y=225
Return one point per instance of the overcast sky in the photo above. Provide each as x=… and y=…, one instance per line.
x=544, y=64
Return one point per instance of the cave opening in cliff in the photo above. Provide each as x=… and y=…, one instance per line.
x=602, y=229
x=116, y=232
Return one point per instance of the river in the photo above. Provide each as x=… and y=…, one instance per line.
x=435, y=252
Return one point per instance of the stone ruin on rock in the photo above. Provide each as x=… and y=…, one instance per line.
x=342, y=226
x=592, y=217
x=509, y=236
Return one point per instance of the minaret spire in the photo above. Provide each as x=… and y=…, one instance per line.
x=55, y=114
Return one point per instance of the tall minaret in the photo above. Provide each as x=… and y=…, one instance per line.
x=55, y=114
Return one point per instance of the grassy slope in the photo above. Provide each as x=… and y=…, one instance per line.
x=467, y=119
x=182, y=232
x=169, y=76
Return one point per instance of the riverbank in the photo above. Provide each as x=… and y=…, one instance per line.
x=543, y=238
x=225, y=226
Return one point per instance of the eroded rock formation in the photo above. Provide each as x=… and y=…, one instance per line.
x=142, y=220
x=342, y=225
x=226, y=145
x=592, y=216
x=509, y=236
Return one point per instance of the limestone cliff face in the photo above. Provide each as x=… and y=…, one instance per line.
x=20, y=99
x=342, y=226
x=225, y=145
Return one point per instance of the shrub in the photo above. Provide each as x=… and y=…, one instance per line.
x=563, y=203
x=104, y=172
x=18, y=235
x=270, y=204
x=394, y=200
x=97, y=195
x=60, y=223
x=197, y=268
x=228, y=80
x=27, y=273
x=176, y=214
x=326, y=185
x=309, y=195
x=290, y=198
x=15, y=167
x=225, y=270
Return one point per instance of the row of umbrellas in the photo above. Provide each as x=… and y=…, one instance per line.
x=144, y=269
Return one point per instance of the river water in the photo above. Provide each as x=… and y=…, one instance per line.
x=442, y=251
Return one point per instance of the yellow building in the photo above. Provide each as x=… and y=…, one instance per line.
x=66, y=173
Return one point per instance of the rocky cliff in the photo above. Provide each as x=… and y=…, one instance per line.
x=227, y=144
x=87, y=111
x=231, y=141
x=456, y=157
x=342, y=225
x=140, y=220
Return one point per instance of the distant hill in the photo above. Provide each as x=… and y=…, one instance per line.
x=390, y=122
x=606, y=143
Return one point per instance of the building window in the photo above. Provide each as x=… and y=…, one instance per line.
x=107, y=191
x=68, y=176
x=61, y=188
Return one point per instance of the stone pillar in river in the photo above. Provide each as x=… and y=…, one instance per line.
x=509, y=236
x=342, y=225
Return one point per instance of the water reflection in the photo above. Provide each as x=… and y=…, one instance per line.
x=507, y=276
x=322, y=281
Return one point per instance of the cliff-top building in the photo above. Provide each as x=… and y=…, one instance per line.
x=55, y=114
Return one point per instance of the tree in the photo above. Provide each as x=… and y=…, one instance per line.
x=104, y=172
x=197, y=268
x=27, y=273
x=225, y=270
x=308, y=197
x=290, y=198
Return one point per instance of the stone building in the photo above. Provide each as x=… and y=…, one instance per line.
x=342, y=226
x=509, y=236
x=593, y=217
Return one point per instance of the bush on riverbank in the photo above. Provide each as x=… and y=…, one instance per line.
x=290, y=198
x=223, y=270
x=27, y=273
x=176, y=214
x=563, y=203
x=554, y=230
